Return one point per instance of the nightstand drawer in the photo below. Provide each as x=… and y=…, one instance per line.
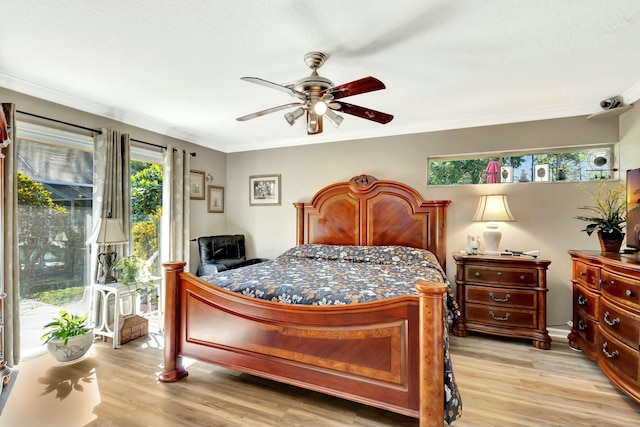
x=619, y=357
x=586, y=275
x=586, y=301
x=620, y=323
x=508, y=317
x=621, y=288
x=498, y=275
x=501, y=297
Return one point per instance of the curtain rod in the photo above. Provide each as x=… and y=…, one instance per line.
x=98, y=131
x=164, y=147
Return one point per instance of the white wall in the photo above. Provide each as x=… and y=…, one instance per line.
x=544, y=211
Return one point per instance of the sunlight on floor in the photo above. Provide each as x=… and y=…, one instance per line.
x=50, y=392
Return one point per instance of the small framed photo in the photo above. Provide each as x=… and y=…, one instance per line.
x=196, y=185
x=264, y=190
x=541, y=173
x=215, y=199
x=506, y=174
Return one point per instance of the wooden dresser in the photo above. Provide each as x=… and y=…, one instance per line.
x=503, y=295
x=606, y=315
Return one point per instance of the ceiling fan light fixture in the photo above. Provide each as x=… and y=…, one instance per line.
x=320, y=107
x=294, y=115
x=335, y=119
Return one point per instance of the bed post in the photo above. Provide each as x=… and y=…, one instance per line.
x=172, y=370
x=431, y=353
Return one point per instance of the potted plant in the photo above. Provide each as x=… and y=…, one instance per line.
x=68, y=336
x=607, y=216
x=134, y=271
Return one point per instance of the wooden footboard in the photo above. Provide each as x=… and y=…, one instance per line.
x=387, y=354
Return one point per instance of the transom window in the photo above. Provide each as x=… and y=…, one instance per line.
x=569, y=164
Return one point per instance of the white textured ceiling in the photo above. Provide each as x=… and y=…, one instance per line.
x=174, y=67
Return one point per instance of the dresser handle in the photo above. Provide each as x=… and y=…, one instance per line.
x=613, y=322
x=601, y=282
x=583, y=273
x=581, y=325
x=628, y=293
x=522, y=277
x=505, y=299
x=582, y=300
x=477, y=274
x=613, y=282
x=499, y=273
x=501, y=319
x=611, y=355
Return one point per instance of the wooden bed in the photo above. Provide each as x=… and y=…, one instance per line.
x=388, y=354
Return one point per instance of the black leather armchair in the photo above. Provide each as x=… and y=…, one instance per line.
x=224, y=252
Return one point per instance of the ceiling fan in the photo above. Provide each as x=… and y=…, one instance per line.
x=318, y=98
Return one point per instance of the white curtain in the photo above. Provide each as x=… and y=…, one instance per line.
x=112, y=185
x=175, y=206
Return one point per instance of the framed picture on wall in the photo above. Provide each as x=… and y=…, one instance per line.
x=196, y=185
x=215, y=203
x=264, y=190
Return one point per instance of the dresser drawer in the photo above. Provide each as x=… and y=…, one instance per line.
x=501, y=297
x=621, y=288
x=494, y=275
x=620, y=323
x=586, y=275
x=508, y=317
x=586, y=301
x=618, y=357
x=586, y=327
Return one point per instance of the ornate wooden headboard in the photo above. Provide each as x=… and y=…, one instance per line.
x=369, y=212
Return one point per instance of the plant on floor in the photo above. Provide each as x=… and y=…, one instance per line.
x=68, y=336
x=64, y=326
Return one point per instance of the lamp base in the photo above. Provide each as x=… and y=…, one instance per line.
x=492, y=238
x=107, y=260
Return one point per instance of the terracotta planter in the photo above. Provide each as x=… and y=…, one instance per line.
x=610, y=245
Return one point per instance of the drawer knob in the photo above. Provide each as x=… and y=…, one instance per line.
x=505, y=299
x=613, y=322
x=583, y=273
x=522, y=277
x=477, y=274
x=611, y=355
x=613, y=282
x=500, y=319
x=628, y=292
x=581, y=325
x=600, y=281
x=499, y=273
x=582, y=300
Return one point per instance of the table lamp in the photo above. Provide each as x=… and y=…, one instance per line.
x=492, y=209
x=108, y=232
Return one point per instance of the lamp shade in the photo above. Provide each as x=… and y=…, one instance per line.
x=108, y=231
x=493, y=207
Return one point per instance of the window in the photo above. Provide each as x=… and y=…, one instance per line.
x=569, y=164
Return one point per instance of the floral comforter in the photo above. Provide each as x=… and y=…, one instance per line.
x=330, y=274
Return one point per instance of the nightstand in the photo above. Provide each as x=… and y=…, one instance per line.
x=503, y=295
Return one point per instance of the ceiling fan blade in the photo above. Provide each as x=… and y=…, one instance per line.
x=314, y=123
x=266, y=83
x=356, y=87
x=267, y=111
x=365, y=113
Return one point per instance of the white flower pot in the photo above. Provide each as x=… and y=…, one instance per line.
x=76, y=347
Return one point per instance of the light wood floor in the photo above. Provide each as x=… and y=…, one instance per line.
x=503, y=383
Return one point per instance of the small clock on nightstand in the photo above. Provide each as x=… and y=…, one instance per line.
x=503, y=295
